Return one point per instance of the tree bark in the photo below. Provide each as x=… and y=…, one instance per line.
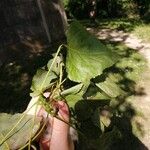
x=26, y=19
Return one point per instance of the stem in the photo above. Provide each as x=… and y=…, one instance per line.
x=30, y=140
x=7, y=135
x=5, y=142
x=50, y=67
x=35, y=135
x=61, y=74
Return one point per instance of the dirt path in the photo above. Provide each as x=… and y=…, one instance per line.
x=140, y=103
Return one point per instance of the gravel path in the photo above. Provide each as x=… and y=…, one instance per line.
x=140, y=103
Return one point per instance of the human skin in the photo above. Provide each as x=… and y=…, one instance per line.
x=56, y=135
x=60, y=139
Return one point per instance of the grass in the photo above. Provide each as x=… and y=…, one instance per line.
x=120, y=24
x=135, y=81
x=136, y=27
x=131, y=63
x=143, y=32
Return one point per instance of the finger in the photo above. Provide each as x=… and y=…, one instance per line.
x=63, y=110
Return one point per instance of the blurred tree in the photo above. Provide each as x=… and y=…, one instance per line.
x=107, y=8
x=143, y=8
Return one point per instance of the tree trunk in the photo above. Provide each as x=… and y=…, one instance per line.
x=35, y=24
x=23, y=20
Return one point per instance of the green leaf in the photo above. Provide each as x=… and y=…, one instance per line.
x=106, y=140
x=96, y=118
x=87, y=57
x=21, y=134
x=56, y=66
x=73, y=90
x=72, y=95
x=72, y=99
x=4, y=145
x=93, y=92
x=110, y=87
x=90, y=130
x=83, y=110
x=42, y=79
x=39, y=78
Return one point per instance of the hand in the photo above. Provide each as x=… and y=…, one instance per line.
x=56, y=135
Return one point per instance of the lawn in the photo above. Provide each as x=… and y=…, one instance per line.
x=142, y=31
x=131, y=76
x=136, y=27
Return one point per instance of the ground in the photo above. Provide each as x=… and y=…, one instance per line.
x=140, y=102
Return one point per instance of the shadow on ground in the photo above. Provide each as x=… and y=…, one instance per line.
x=19, y=65
x=130, y=67
x=123, y=132
x=124, y=24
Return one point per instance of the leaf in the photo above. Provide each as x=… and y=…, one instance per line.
x=96, y=118
x=83, y=110
x=106, y=140
x=41, y=81
x=110, y=87
x=56, y=66
x=5, y=145
x=72, y=95
x=87, y=57
x=21, y=134
x=90, y=130
x=72, y=99
x=93, y=92
x=73, y=90
x=39, y=78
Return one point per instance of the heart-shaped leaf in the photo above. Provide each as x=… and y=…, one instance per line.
x=87, y=57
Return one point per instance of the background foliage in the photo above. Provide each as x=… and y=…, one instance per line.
x=108, y=8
